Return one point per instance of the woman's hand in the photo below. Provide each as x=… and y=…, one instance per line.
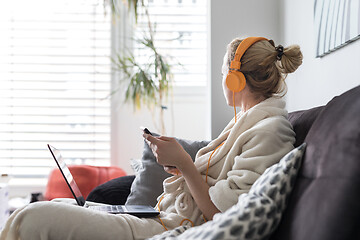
x=168, y=153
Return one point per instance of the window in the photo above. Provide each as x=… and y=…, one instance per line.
x=55, y=76
x=181, y=32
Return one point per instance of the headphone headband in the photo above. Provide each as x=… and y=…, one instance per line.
x=241, y=49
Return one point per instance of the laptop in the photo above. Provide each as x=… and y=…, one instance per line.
x=141, y=211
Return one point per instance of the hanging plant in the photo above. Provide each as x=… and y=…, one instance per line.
x=145, y=82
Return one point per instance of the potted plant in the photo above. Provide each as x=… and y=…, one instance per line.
x=145, y=82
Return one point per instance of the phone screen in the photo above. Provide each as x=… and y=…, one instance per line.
x=145, y=130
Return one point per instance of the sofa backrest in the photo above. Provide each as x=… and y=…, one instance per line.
x=302, y=122
x=324, y=203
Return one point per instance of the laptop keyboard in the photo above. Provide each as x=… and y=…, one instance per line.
x=113, y=209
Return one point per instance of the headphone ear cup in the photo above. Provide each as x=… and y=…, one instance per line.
x=235, y=81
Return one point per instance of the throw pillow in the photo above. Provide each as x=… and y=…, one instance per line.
x=257, y=213
x=148, y=183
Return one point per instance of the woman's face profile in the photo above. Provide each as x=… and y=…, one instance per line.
x=225, y=70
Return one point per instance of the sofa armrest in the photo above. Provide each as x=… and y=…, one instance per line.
x=114, y=192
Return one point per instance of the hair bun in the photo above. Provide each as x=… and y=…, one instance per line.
x=291, y=59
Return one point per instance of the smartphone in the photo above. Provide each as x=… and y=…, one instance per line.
x=145, y=130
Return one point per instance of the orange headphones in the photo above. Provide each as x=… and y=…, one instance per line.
x=235, y=80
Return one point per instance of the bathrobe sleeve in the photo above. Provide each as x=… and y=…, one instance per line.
x=262, y=149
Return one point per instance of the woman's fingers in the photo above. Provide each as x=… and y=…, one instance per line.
x=164, y=138
x=157, y=140
x=150, y=138
x=172, y=170
x=152, y=143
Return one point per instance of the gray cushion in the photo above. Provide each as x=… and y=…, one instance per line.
x=148, y=183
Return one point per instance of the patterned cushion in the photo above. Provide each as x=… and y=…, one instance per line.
x=257, y=213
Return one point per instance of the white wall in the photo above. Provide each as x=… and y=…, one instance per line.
x=318, y=80
x=230, y=19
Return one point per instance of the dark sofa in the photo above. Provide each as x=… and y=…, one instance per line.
x=325, y=202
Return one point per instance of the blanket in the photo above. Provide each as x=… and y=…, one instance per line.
x=64, y=220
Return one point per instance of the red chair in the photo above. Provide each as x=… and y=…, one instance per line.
x=86, y=177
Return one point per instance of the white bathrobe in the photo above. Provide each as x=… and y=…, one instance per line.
x=260, y=138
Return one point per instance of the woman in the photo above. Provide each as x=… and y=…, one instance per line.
x=258, y=137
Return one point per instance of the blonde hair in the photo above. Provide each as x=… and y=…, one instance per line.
x=264, y=73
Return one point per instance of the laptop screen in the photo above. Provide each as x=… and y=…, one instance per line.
x=67, y=175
